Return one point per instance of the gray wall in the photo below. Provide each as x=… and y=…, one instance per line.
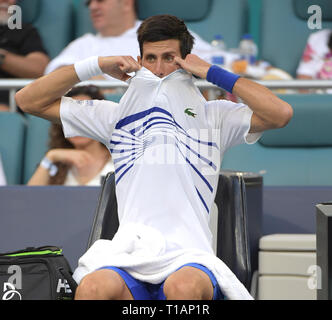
x=55, y=215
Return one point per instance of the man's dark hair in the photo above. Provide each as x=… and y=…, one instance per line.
x=165, y=27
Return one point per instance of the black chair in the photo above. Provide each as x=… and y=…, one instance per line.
x=230, y=228
x=324, y=250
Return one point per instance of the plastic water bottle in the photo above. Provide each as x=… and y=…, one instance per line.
x=219, y=47
x=248, y=49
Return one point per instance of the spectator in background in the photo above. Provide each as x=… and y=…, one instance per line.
x=316, y=62
x=74, y=161
x=116, y=23
x=22, y=54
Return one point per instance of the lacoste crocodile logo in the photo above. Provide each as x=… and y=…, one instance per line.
x=189, y=113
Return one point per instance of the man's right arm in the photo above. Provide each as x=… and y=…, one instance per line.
x=43, y=96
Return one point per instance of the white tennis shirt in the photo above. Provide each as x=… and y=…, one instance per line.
x=167, y=143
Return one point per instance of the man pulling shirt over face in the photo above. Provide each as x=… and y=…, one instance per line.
x=167, y=143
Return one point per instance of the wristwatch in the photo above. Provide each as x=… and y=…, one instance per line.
x=49, y=166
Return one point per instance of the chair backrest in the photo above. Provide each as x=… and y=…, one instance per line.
x=12, y=131
x=232, y=230
x=206, y=18
x=233, y=244
x=299, y=154
x=284, y=30
x=36, y=144
x=106, y=220
x=53, y=19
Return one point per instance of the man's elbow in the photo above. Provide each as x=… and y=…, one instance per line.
x=22, y=101
x=19, y=100
x=285, y=115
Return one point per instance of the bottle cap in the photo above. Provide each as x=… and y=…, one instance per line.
x=219, y=60
x=247, y=36
x=218, y=37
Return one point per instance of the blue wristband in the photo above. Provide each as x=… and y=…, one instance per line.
x=222, y=78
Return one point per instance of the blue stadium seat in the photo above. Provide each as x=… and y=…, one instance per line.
x=299, y=154
x=82, y=19
x=36, y=144
x=284, y=30
x=12, y=131
x=115, y=97
x=206, y=18
x=53, y=19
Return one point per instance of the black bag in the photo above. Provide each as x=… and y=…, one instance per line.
x=36, y=274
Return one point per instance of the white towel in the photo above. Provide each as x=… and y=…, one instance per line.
x=141, y=251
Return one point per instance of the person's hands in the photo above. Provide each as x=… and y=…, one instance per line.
x=73, y=157
x=194, y=64
x=118, y=66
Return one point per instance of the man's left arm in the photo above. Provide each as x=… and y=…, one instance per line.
x=28, y=66
x=28, y=57
x=269, y=111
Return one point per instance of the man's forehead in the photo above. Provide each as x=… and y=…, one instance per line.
x=164, y=46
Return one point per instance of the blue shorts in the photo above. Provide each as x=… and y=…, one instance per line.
x=147, y=291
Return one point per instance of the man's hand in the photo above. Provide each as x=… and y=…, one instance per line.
x=194, y=64
x=76, y=158
x=119, y=66
x=80, y=161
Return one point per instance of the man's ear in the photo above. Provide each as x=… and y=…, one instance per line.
x=139, y=60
